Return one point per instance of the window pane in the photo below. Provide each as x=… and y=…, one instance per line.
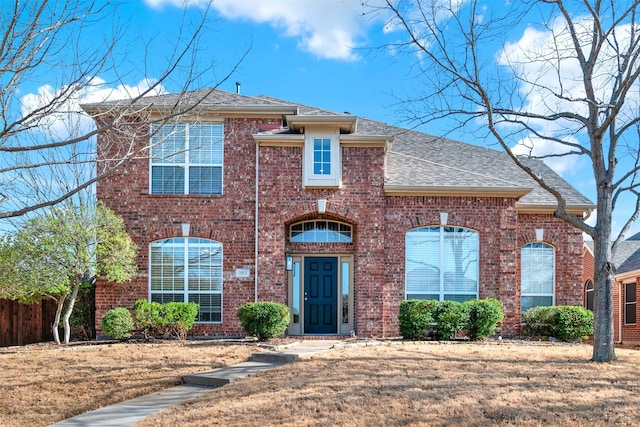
x=460, y=260
x=168, y=144
x=320, y=232
x=205, y=180
x=345, y=292
x=167, y=180
x=296, y=292
x=537, y=301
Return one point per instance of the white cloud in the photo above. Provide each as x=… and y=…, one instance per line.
x=67, y=118
x=550, y=80
x=329, y=29
x=538, y=147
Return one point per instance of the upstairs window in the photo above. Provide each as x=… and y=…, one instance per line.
x=322, y=160
x=537, y=275
x=186, y=159
x=441, y=263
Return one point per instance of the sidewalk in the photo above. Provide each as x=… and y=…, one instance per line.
x=127, y=413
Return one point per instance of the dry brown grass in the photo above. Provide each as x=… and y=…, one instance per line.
x=434, y=385
x=398, y=384
x=41, y=385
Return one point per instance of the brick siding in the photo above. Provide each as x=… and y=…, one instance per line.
x=380, y=222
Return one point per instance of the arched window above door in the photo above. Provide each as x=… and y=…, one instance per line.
x=321, y=231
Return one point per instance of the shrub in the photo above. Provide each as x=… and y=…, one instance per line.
x=483, y=317
x=117, y=323
x=451, y=317
x=179, y=317
x=563, y=322
x=172, y=318
x=414, y=319
x=264, y=320
x=149, y=318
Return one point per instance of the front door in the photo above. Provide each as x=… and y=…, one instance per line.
x=320, y=295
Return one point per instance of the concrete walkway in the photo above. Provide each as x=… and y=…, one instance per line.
x=132, y=411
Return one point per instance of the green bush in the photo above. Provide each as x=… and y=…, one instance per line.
x=264, y=320
x=149, y=318
x=117, y=323
x=421, y=319
x=179, y=317
x=172, y=318
x=563, y=322
x=483, y=316
x=414, y=319
x=451, y=317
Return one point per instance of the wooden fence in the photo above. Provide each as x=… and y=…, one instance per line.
x=22, y=324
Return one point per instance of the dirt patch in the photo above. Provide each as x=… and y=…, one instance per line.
x=429, y=384
x=44, y=383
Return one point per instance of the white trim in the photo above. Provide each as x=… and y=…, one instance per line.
x=334, y=178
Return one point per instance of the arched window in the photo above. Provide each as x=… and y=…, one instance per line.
x=441, y=263
x=588, y=295
x=187, y=270
x=321, y=231
x=537, y=275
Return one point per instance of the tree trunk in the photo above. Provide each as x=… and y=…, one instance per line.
x=69, y=310
x=56, y=319
x=604, y=270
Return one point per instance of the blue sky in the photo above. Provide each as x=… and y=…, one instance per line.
x=323, y=53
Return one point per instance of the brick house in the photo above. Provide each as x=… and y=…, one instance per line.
x=337, y=216
x=626, y=299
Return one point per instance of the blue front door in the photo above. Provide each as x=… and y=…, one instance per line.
x=320, y=295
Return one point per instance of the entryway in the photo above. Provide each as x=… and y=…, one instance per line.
x=321, y=294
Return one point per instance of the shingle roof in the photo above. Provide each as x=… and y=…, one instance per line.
x=627, y=255
x=415, y=159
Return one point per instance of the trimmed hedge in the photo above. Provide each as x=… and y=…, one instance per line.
x=563, y=322
x=171, y=318
x=117, y=323
x=422, y=319
x=484, y=315
x=264, y=320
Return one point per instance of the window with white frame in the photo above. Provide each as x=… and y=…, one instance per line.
x=441, y=263
x=322, y=160
x=320, y=231
x=537, y=275
x=188, y=270
x=186, y=158
x=630, y=304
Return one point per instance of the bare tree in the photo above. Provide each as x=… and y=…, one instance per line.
x=44, y=138
x=571, y=92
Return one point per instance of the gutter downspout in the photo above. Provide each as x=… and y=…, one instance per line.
x=255, y=269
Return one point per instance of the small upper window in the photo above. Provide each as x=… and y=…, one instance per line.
x=322, y=159
x=186, y=159
x=321, y=232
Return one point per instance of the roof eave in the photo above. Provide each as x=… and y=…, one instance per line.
x=417, y=190
x=578, y=209
x=346, y=123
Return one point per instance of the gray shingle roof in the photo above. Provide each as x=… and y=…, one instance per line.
x=415, y=159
